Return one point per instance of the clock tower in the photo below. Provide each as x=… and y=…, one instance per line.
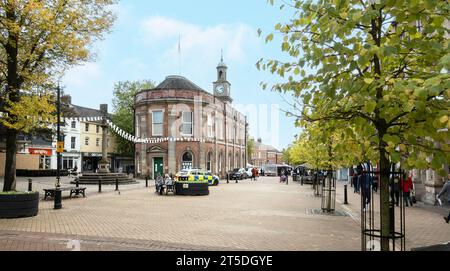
x=222, y=87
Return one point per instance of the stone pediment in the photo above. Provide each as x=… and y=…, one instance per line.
x=156, y=149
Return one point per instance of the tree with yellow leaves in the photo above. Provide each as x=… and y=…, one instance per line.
x=39, y=40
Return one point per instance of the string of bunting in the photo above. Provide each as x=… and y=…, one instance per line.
x=130, y=137
x=135, y=139
x=83, y=119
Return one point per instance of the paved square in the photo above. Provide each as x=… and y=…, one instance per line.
x=263, y=215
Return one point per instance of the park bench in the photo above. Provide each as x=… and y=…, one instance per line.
x=50, y=193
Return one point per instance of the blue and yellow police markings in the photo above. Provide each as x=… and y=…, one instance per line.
x=196, y=177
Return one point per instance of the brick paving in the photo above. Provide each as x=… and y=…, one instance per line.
x=425, y=225
x=262, y=216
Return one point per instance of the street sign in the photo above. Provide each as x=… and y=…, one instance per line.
x=60, y=147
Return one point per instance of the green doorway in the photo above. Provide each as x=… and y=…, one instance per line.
x=158, y=167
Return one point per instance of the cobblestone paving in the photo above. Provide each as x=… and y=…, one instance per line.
x=262, y=215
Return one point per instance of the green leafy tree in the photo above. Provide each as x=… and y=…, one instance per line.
x=39, y=40
x=123, y=106
x=250, y=149
x=378, y=66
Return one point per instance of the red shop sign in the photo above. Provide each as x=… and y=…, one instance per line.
x=45, y=152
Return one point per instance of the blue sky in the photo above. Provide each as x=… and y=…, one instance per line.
x=144, y=45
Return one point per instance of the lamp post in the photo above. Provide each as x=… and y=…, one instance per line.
x=58, y=204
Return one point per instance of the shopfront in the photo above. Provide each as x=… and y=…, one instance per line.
x=91, y=161
x=45, y=157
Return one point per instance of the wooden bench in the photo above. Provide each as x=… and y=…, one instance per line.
x=50, y=193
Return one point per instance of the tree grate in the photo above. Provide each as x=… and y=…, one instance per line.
x=319, y=211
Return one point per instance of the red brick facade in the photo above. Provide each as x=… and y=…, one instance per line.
x=221, y=128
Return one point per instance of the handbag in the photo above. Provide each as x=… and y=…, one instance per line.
x=413, y=197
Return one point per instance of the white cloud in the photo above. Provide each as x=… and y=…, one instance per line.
x=81, y=76
x=200, y=45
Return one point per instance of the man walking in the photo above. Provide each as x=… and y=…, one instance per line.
x=445, y=192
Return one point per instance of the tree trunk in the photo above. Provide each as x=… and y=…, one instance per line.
x=10, y=163
x=384, y=200
x=12, y=91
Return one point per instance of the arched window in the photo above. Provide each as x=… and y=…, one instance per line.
x=220, y=162
x=208, y=161
x=221, y=75
x=187, y=161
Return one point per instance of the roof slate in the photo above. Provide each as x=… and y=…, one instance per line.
x=175, y=82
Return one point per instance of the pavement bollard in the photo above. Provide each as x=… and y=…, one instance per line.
x=345, y=195
x=77, y=182
x=146, y=181
x=30, y=185
x=117, y=184
x=228, y=178
x=100, y=185
x=58, y=199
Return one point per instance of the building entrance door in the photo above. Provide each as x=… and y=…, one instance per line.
x=158, y=167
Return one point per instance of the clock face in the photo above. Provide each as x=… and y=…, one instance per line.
x=220, y=89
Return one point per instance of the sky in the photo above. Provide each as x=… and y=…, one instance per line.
x=144, y=44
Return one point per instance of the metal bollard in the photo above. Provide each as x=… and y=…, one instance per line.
x=58, y=199
x=30, y=185
x=146, y=181
x=77, y=182
x=287, y=179
x=228, y=178
x=345, y=195
x=117, y=184
x=100, y=185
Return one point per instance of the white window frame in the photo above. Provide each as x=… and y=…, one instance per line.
x=86, y=127
x=73, y=124
x=210, y=125
x=162, y=123
x=187, y=123
x=97, y=142
x=86, y=141
x=73, y=143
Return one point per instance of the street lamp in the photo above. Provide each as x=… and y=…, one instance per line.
x=59, y=150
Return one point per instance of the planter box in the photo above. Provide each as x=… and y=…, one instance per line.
x=192, y=189
x=19, y=205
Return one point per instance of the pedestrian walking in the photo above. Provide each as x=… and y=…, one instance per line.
x=395, y=190
x=282, y=178
x=254, y=173
x=445, y=193
x=407, y=187
x=366, y=187
x=359, y=173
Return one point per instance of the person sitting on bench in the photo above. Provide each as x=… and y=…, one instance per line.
x=170, y=185
x=159, y=184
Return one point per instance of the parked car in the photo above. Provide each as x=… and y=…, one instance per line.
x=199, y=175
x=238, y=174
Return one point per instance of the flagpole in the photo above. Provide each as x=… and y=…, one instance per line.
x=179, y=54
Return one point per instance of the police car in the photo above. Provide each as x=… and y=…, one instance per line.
x=197, y=175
